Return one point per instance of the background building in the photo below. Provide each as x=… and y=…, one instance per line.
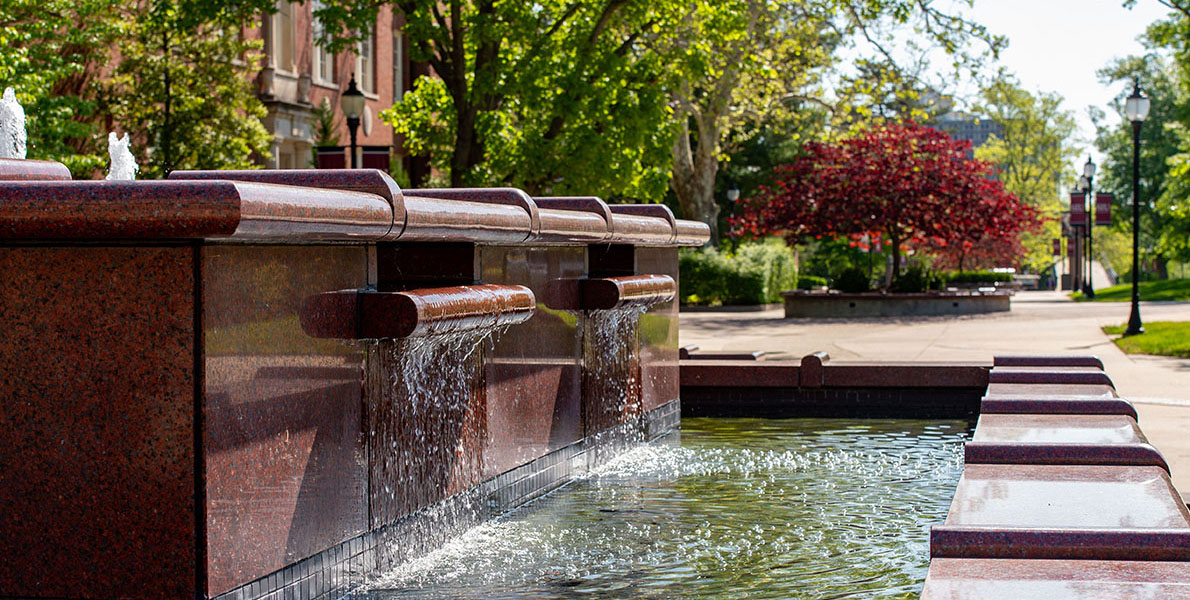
x=298, y=74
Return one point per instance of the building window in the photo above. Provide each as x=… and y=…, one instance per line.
x=365, y=65
x=283, y=50
x=324, y=61
x=398, y=69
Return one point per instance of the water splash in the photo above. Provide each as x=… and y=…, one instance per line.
x=12, y=126
x=123, y=165
x=611, y=369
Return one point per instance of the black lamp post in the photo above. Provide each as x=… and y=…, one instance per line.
x=1087, y=183
x=1136, y=108
x=352, y=102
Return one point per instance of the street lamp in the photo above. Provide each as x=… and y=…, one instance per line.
x=1087, y=183
x=352, y=102
x=1136, y=108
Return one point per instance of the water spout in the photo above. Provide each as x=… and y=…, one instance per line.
x=123, y=165
x=12, y=126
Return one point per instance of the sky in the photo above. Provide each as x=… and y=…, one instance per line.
x=1058, y=45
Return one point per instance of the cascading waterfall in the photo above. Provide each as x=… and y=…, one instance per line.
x=12, y=126
x=611, y=373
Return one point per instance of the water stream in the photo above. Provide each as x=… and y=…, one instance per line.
x=738, y=508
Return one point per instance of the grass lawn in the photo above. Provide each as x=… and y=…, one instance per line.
x=1165, y=338
x=1170, y=289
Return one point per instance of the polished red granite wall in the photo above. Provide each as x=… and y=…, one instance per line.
x=96, y=405
x=532, y=371
x=659, y=375
x=286, y=469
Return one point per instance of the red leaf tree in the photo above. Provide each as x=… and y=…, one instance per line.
x=906, y=185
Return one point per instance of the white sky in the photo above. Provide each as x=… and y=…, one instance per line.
x=1058, y=45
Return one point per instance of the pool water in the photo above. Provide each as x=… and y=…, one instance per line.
x=737, y=508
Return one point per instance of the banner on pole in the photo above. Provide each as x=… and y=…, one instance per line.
x=1071, y=248
x=1103, y=209
x=1057, y=247
x=1078, y=208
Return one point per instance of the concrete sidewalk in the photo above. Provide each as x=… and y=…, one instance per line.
x=1039, y=323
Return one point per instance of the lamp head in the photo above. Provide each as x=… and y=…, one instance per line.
x=1083, y=183
x=1089, y=168
x=352, y=100
x=1136, y=107
x=733, y=194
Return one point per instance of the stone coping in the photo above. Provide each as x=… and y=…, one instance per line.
x=38, y=202
x=890, y=295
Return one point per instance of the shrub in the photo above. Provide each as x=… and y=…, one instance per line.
x=852, y=280
x=971, y=277
x=756, y=274
x=915, y=280
x=809, y=282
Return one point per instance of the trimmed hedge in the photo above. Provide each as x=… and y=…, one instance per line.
x=756, y=274
x=979, y=277
x=809, y=282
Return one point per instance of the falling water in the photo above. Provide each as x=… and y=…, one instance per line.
x=12, y=126
x=427, y=430
x=123, y=165
x=611, y=370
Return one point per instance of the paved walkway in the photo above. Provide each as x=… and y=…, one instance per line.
x=1039, y=323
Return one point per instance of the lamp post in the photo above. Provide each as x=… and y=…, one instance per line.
x=352, y=102
x=1136, y=108
x=1087, y=183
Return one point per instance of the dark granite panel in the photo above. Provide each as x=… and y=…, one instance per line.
x=15, y=169
x=1047, y=375
x=1047, y=361
x=659, y=376
x=97, y=481
x=533, y=390
x=117, y=209
x=1009, y=579
x=790, y=402
x=286, y=475
x=950, y=541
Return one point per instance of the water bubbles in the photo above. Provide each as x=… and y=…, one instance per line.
x=12, y=126
x=123, y=165
x=743, y=508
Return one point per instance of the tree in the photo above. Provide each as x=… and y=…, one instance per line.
x=1032, y=154
x=555, y=96
x=183, y=78
x=745, y=63
x=903, y=185
x=53, y=53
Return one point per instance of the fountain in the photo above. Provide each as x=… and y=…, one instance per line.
x=12, y=126
x=243, y=383
x=123, y=165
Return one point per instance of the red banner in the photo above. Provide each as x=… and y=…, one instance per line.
x=1103, y=209
x=1071, y=248
x=1078, y=209
x=1057, y=247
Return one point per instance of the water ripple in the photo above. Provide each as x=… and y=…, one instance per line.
x=741, y=508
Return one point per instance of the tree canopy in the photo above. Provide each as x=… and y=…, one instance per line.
x=904, y=185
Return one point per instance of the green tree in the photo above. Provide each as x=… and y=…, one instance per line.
x=183, y=78
x=1032, y=155
x=1162, y=139
x=555, y=96
x=53, y=53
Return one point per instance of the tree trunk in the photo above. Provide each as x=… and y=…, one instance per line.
x=895, y=244
x=1162, y=264
x=467, y=151
x=694, y=172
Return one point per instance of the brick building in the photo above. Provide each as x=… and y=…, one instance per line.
x=298, y=73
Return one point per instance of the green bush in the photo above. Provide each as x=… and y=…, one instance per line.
x=970, y=277
x=809, y=282
x=852, y=280
x=756, y=274
x=914, y=280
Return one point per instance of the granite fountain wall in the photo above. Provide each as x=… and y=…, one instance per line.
x=180, y=415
